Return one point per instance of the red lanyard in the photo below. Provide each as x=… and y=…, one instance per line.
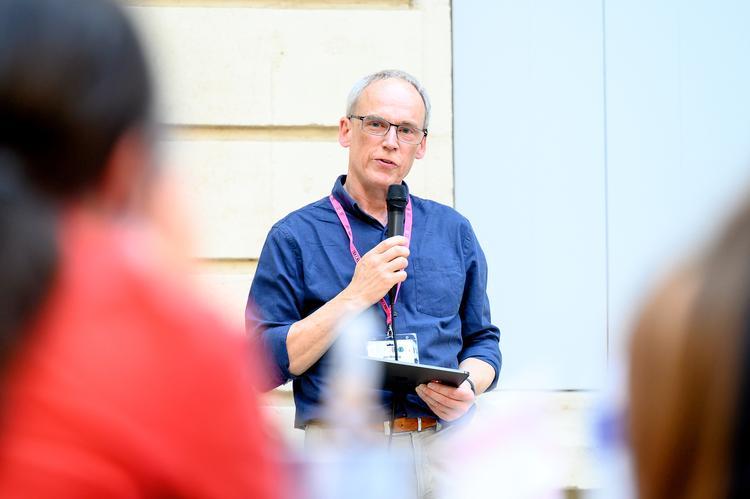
x=355, y=254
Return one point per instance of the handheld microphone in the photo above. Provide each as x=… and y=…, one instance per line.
x=396, y=201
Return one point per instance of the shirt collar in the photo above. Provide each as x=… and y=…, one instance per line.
x=348, y=202
x=343, y=197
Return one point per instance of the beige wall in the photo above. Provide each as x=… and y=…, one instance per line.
x=252, y=92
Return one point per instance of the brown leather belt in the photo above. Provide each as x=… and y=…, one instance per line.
x=402, y=425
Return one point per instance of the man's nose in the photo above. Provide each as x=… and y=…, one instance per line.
x=390, y=139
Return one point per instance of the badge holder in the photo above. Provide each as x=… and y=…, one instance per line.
x=404, y=344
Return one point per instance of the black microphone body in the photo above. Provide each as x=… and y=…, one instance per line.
x=395, y=222
x=396, y=201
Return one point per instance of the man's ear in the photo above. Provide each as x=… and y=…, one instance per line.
x=422, y=148
x=345, y=132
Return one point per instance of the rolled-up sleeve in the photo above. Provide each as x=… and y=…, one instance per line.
x=481, y=339
x=275, y=298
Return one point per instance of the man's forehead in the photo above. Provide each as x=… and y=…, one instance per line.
x=392, y=96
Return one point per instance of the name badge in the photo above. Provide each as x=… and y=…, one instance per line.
x=408, y=349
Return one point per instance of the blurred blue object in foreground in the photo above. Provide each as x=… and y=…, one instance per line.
x=347, y=458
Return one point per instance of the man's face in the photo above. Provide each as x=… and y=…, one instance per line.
x=376, y=162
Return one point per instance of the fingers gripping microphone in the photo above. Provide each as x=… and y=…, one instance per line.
x=396, y=201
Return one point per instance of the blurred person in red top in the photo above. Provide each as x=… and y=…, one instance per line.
x=116, y=382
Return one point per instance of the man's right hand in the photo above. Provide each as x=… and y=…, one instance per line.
x=378, y=271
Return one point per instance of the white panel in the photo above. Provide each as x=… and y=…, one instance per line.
x=678, y=110
x=529, y=169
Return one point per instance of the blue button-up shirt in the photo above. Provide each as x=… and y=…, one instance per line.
x=306, y=262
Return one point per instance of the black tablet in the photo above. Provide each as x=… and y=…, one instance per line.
x=404, y=376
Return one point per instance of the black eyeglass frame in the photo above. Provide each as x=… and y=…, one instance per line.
x=362, y=119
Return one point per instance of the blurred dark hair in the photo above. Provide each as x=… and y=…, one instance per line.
x=690, y=377
x=736, y=251
x=73, y=79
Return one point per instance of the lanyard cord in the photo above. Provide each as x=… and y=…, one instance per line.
x=388, y=309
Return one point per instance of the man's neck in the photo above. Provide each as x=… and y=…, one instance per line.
x=371, y=202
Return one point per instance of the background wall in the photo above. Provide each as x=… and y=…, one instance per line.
x=252, y=92
x=597, y=145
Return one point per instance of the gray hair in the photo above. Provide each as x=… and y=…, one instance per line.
x=386, y=74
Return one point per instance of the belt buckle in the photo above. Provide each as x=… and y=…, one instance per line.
x=388, y=430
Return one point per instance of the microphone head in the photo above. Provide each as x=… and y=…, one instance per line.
x=397, y=196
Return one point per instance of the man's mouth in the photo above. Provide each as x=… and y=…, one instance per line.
x=386, y=161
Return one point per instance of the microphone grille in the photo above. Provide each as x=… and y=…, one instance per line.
x=397, y=195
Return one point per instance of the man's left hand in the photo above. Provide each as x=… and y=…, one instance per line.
x=447, y=402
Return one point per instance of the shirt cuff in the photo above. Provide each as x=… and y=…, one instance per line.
x=274, y=340
x=494, y=361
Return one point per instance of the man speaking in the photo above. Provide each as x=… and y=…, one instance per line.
x=333, y=258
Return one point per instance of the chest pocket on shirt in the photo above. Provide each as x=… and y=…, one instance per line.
x=439, y=285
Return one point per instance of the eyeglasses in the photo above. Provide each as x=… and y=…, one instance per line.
x=378, y=126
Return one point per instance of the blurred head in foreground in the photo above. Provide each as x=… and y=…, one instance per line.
x=74, y=99
x=114, y=380
x=690, y=377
